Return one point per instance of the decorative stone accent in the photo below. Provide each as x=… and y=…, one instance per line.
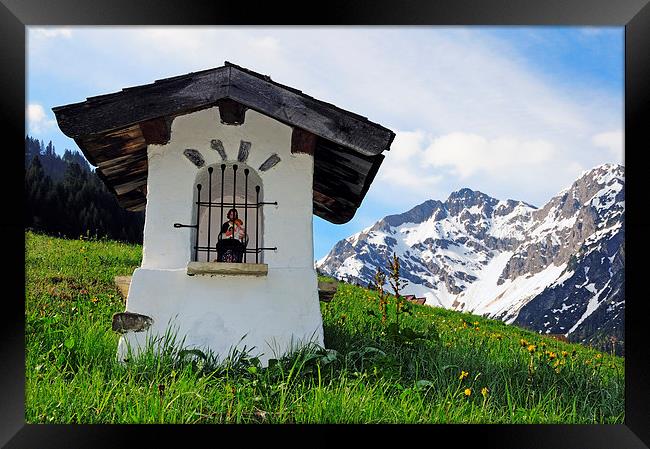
x=327, y=290
x=217, y=146
x=194, y=157
x=244, y=149
x=131, y=322
x=270, y=162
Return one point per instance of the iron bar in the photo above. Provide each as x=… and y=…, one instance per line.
x=207, y=258
x=250, y=206
x=257, y=223
x=273, y=248
x=246, y=171
x=234, y=195
x=223, y=169
x=198, y=210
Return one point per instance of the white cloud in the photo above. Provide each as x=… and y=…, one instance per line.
x=612, y=141
x=265, y=43
x=51, y=32
x=194, y=48
x=403, y=174
x=37, y=120
x=407, y=145
x=471, y=111
x=423, y=166
x=408, y=177
x=591, y=31
x=469, y=154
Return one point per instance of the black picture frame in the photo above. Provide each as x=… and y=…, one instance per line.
x=15, y=15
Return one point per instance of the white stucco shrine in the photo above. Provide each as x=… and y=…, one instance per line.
x=187, y=150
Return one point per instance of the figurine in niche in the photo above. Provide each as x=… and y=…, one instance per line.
x=232, y=240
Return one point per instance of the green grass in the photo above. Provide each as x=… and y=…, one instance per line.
x=369, y=373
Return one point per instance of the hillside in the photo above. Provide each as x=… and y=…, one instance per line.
x=438, y=366
x=558, y=269
x=65, y=197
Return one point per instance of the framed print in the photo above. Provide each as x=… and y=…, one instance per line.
x=458, y=123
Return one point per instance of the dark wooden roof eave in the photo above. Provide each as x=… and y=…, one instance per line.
x=113, y=132
x=174, y=96
x=338, y=210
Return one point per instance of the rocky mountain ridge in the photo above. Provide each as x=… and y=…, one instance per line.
x=558, y=269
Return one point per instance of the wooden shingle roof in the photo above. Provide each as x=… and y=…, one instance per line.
x=113, y=132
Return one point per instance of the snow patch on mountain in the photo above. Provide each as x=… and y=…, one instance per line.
x=557, y=269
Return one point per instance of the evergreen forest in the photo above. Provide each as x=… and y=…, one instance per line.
x=65, y=197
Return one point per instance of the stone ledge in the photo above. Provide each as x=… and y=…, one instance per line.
x=232, y=269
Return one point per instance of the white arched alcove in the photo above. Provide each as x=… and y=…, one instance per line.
x=242, y=188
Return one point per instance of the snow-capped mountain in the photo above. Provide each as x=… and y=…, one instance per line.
x=558, y=269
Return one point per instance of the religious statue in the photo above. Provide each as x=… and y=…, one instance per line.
x=232, y=239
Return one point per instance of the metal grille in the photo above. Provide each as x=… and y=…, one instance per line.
x=228, y=248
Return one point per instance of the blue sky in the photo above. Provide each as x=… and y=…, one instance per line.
x=515, y=112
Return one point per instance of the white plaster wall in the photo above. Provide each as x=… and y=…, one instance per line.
x=171, y=180
x=217, y=311
x=270, y=313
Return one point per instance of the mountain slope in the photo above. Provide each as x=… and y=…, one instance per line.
x=367, y=373
x=558, y=269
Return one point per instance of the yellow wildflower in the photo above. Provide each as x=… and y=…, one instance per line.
x=468, y=391
x=599, y=356
x=531, y=348
x=463, y=374
x=94, y=300
x=484, y=391
x=552, y=355
x=564, y=353
x=523, y=343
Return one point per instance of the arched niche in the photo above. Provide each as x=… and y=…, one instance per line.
x=238, y=191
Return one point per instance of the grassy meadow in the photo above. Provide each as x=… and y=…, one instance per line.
x=437, y=366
